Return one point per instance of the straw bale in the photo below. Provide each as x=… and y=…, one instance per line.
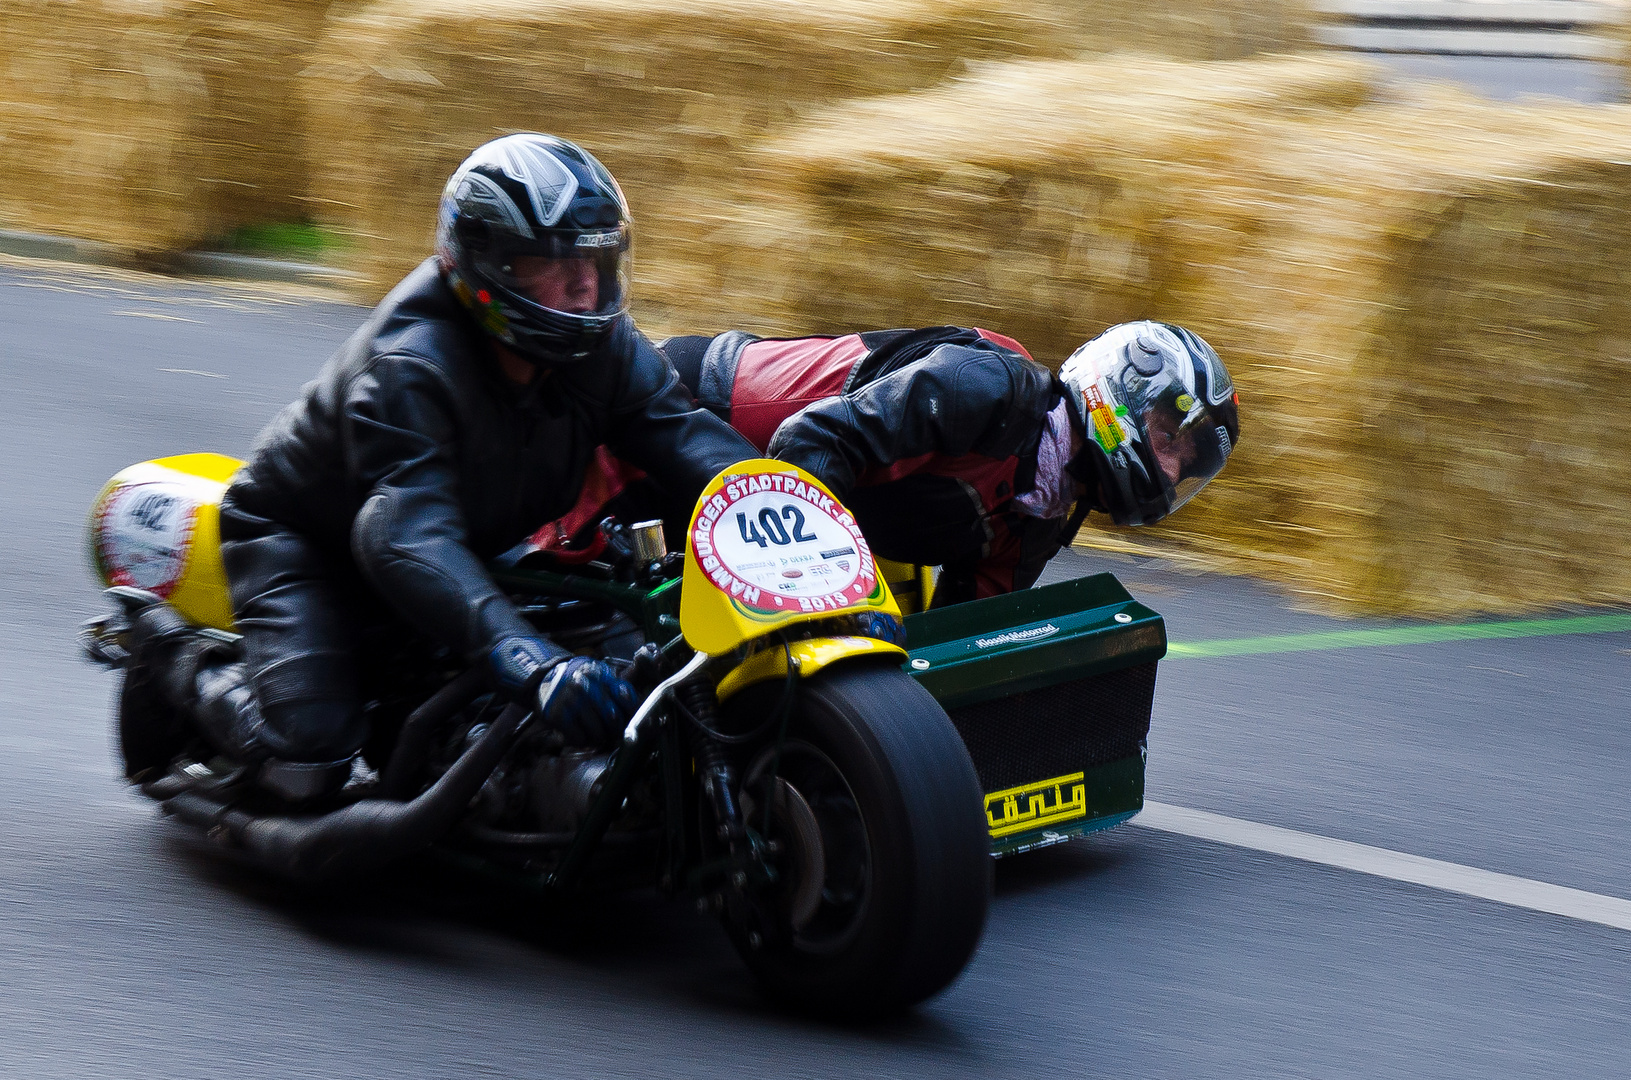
x=1181, y=29
x=1034, y=195
x=669, y=93
x=151, y=124
x=1423, y=301
x=665, y=92
x=1430, y=300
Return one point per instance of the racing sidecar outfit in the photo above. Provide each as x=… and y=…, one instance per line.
x=928, y=436
x=377, y=497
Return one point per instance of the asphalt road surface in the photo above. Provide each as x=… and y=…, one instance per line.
x=1137, y=953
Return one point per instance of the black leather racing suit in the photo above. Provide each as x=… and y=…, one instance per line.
x=377, y=497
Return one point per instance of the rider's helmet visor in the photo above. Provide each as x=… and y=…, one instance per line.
x=572, y=274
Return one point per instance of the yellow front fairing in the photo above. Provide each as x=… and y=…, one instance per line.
x=156, y=526
x=769, y=547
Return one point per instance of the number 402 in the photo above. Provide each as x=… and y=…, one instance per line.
x=773, y=527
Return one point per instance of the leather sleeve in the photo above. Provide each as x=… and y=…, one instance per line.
x=654, y=424
x=410, y=539
x=953, y=401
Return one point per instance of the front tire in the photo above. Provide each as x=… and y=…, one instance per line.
x=880, y=775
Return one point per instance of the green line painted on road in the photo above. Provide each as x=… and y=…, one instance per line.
x=1396, y=635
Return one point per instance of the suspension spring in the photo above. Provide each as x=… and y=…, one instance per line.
x=714, y=766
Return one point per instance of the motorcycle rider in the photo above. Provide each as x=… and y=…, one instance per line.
x=954, y=448
x=464, y=411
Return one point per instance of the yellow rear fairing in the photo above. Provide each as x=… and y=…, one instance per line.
x=156, y=526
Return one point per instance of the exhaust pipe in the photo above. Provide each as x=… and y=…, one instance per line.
x=413, y=741
x=363, y=835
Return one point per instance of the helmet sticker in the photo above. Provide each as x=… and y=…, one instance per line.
x=1107, y=429
x=1184, y=403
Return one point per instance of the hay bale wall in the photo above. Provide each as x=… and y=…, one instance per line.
x=1181, y=29
x=1438, y=290
x=1423, y=301
x=1034, y=195
x=669, y=93
x=151, y=124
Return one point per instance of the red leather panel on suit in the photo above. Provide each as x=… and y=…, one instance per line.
x=1005, y=341
x=775, y=379
x=606, y=477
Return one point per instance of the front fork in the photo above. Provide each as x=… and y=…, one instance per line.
x=728, y=884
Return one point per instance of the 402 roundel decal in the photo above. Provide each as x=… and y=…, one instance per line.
x=775, y=544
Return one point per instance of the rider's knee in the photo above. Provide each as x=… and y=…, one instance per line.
x=313, y=730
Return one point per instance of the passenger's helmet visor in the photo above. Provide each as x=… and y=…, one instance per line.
x=1184, y=447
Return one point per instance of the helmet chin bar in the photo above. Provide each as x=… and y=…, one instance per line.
x=1127, y=488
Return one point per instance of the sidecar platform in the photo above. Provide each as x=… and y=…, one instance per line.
x=1051, y=690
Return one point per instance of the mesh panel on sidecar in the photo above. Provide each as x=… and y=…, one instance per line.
x=1058, y=729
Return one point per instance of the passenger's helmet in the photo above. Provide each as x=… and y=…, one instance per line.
x=543, y=197
x=1158, y=414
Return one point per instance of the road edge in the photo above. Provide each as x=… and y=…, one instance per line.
x=197, y=264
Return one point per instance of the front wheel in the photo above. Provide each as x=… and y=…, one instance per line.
x=884, y=875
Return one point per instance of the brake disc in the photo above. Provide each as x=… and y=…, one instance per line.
x=811, y=858
x=801, y=836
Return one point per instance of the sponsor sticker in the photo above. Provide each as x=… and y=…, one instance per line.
x=1033, y=806
x=1014, y=636
x=1107, y=430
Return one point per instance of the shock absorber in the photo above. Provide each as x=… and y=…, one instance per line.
x=713, y=764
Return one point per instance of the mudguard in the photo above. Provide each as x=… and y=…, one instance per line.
x=808, y=657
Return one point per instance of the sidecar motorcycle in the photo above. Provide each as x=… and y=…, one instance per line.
x=836, y=798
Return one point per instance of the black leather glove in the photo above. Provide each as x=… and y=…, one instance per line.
x=875, y=624
x=587, y=701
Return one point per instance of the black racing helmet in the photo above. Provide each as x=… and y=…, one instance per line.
x=536, y=196
x=1159, y=417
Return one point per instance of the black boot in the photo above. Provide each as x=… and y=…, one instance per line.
x=152, y=724
x=181, y=685
x=230, y=718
